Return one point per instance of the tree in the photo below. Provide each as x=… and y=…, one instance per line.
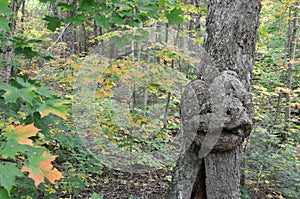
x=219, y=106
x=293, y=33
x=7, y=50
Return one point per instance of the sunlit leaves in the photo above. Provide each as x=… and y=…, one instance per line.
x=40, y=167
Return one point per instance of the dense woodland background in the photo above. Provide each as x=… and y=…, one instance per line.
x=65, y=65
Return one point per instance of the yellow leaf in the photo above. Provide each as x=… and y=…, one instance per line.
x=285, y=90
x=261, y=88
x=256, y=72
x=70, y=78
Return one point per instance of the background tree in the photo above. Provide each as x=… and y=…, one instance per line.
x=8, y=48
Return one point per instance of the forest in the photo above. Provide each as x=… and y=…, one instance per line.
x=93, y=96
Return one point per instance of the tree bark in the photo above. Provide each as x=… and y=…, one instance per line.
x=7, y=55
x=292, y=43
x=210, y=168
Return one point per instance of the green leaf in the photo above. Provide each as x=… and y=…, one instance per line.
x=87, y=5
x=117, y=20
x=11, y=147
x=96, y=196
x=13, y=93
x=174, y=16
x=45, y=1
x=27, y=95
x=23, y=83
x=57, y=107
x=66, y=7
x=4, y=24
x=4, y=194
x=19, y=42
x=101, y=21
x=77, y=20
x=45, y=92
x=170, y=2
x=52, y=22
x=4, y=9
x=26, y=51
x=48, y=58
x=8, y=173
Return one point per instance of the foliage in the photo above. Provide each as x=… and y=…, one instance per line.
x=26, y=107
x=271, y=154
x=110, y=13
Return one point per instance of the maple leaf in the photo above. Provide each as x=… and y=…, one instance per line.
x=56, y=107
x=40, y=167
x=24, y=132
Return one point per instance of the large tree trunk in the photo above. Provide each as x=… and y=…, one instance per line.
x=210, y=168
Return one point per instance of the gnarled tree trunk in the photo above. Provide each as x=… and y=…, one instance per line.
x=221, y=102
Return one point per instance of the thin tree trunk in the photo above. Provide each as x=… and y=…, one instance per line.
x=7, y=55
x=85, y=39
x=165, y=120
x=292, y=52
x=23, y=15
x=151, y=40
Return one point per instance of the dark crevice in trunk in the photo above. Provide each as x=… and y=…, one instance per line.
x=199, y=189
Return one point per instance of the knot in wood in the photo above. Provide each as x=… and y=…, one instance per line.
x=223, y=108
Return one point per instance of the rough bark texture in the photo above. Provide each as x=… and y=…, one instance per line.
x=218, y=107
x=5, y=72
x=223, y=174
x=231, y=35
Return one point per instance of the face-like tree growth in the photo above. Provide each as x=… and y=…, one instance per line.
x=210, y=168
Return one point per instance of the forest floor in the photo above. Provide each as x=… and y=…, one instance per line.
x=124, y=185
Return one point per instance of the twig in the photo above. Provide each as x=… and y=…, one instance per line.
x=60, y=36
